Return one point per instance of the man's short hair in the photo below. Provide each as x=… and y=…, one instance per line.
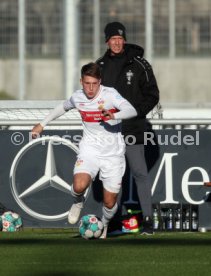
x=91, y=69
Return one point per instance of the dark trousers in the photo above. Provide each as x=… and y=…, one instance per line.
x=137, y=163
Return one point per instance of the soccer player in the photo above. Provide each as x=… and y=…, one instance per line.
x=102, y=147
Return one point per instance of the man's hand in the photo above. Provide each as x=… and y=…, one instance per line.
x=37, y=129
x=108, y=114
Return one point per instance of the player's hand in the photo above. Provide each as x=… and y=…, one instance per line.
x=36, y=130
x=108, y=114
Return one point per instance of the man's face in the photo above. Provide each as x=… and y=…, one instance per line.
x=91, y=86
x=116, y=44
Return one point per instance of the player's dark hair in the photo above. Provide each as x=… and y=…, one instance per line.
x=91, y=69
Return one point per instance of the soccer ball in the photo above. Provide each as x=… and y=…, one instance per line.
x=90, y=227
x=10, y=222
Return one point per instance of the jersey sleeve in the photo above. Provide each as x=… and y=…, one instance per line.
x=55, y=113
x=58, y=111
x=116, y=98
x=126, y=110
x=69, y=104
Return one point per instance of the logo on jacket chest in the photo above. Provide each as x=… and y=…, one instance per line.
x=129, y=76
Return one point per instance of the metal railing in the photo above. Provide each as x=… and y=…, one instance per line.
x=14, y=114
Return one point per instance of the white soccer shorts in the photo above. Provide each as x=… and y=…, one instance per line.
x=111, y=169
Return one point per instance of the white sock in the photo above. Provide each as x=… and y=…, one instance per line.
x=78, y=198
x=108, y=214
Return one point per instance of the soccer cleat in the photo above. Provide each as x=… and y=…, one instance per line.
x=104, y=234
x=74, y=213
x=147, y=228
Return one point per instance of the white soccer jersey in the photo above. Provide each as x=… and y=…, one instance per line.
x=101, y=135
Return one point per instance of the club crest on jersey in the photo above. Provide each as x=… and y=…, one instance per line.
x=101, y=104
x=101, y=101
x=129, y=76
x=101, y=107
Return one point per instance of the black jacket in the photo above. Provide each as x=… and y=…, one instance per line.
x=133, y=78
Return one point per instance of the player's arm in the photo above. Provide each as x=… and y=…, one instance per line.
x=55, y=113
x=36, y=130
x=108, y=114
x=126, y=110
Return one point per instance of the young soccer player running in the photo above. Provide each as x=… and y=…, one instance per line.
x=102, y=147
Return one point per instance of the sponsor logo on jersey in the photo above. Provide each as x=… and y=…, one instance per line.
x=95, y=116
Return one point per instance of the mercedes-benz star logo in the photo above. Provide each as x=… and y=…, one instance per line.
x=49, y=179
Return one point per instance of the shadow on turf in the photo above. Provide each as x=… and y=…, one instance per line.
x=149, y=240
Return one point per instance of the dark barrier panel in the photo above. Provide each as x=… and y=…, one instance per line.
x=36, y=176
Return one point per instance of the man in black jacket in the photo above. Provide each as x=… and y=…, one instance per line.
x=124, y=68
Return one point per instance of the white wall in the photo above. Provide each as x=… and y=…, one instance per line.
x=179, y=80
x=43, y=79
x=184, y=80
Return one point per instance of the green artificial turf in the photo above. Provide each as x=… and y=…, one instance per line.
x=63, y=252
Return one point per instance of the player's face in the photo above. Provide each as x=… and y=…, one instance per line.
x=116, y=44
x=91, y=86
